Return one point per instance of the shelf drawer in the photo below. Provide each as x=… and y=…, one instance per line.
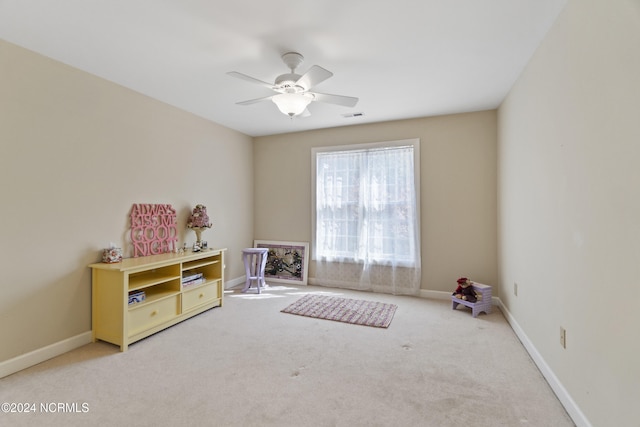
x=152, y=314
x=198, y=296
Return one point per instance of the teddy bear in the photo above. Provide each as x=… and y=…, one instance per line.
x=465, y=291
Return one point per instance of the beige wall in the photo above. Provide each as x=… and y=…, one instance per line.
x=458, y=189
x=569, y=208
x=76, y=152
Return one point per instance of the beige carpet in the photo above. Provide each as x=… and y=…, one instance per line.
x=248, y=364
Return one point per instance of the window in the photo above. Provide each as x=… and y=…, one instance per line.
x=366, y=203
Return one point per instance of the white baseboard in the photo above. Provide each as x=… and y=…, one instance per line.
x=34, y=357
x=565, y=398
x=434, y=294
x=229, y=284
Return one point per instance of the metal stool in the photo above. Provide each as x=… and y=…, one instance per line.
x=255, y=260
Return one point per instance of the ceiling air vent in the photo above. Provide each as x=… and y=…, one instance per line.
x=349, y=115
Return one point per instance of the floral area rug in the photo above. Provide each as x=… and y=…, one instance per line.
x=357, y=312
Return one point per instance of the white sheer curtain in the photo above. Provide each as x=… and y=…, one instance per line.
x=367, y=233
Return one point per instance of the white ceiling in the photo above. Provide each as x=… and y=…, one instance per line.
x=402, y=58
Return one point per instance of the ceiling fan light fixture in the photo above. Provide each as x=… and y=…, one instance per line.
x=293, y=90
x=292, y=104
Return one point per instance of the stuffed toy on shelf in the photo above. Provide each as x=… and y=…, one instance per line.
x=465, y=291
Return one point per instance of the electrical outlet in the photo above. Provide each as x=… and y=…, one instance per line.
x=563, y=337
x=515, y=288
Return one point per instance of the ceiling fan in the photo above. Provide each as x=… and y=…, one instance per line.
x=293, y=90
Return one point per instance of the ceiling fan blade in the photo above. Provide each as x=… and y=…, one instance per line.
x=314, y=76
x=250, y=79
x=253, y=101
x=347, y=101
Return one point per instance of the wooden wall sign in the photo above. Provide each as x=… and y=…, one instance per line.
x=153, y=229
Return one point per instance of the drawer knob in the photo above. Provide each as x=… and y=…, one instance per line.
x=201, y=295
x=154, y=312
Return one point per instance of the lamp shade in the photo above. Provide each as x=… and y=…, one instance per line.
x=292, y=104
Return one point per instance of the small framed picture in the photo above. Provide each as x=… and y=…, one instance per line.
x=287, y=262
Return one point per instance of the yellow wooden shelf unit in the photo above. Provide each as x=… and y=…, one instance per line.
x=176, y=287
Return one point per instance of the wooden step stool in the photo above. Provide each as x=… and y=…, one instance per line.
x=483, y=303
